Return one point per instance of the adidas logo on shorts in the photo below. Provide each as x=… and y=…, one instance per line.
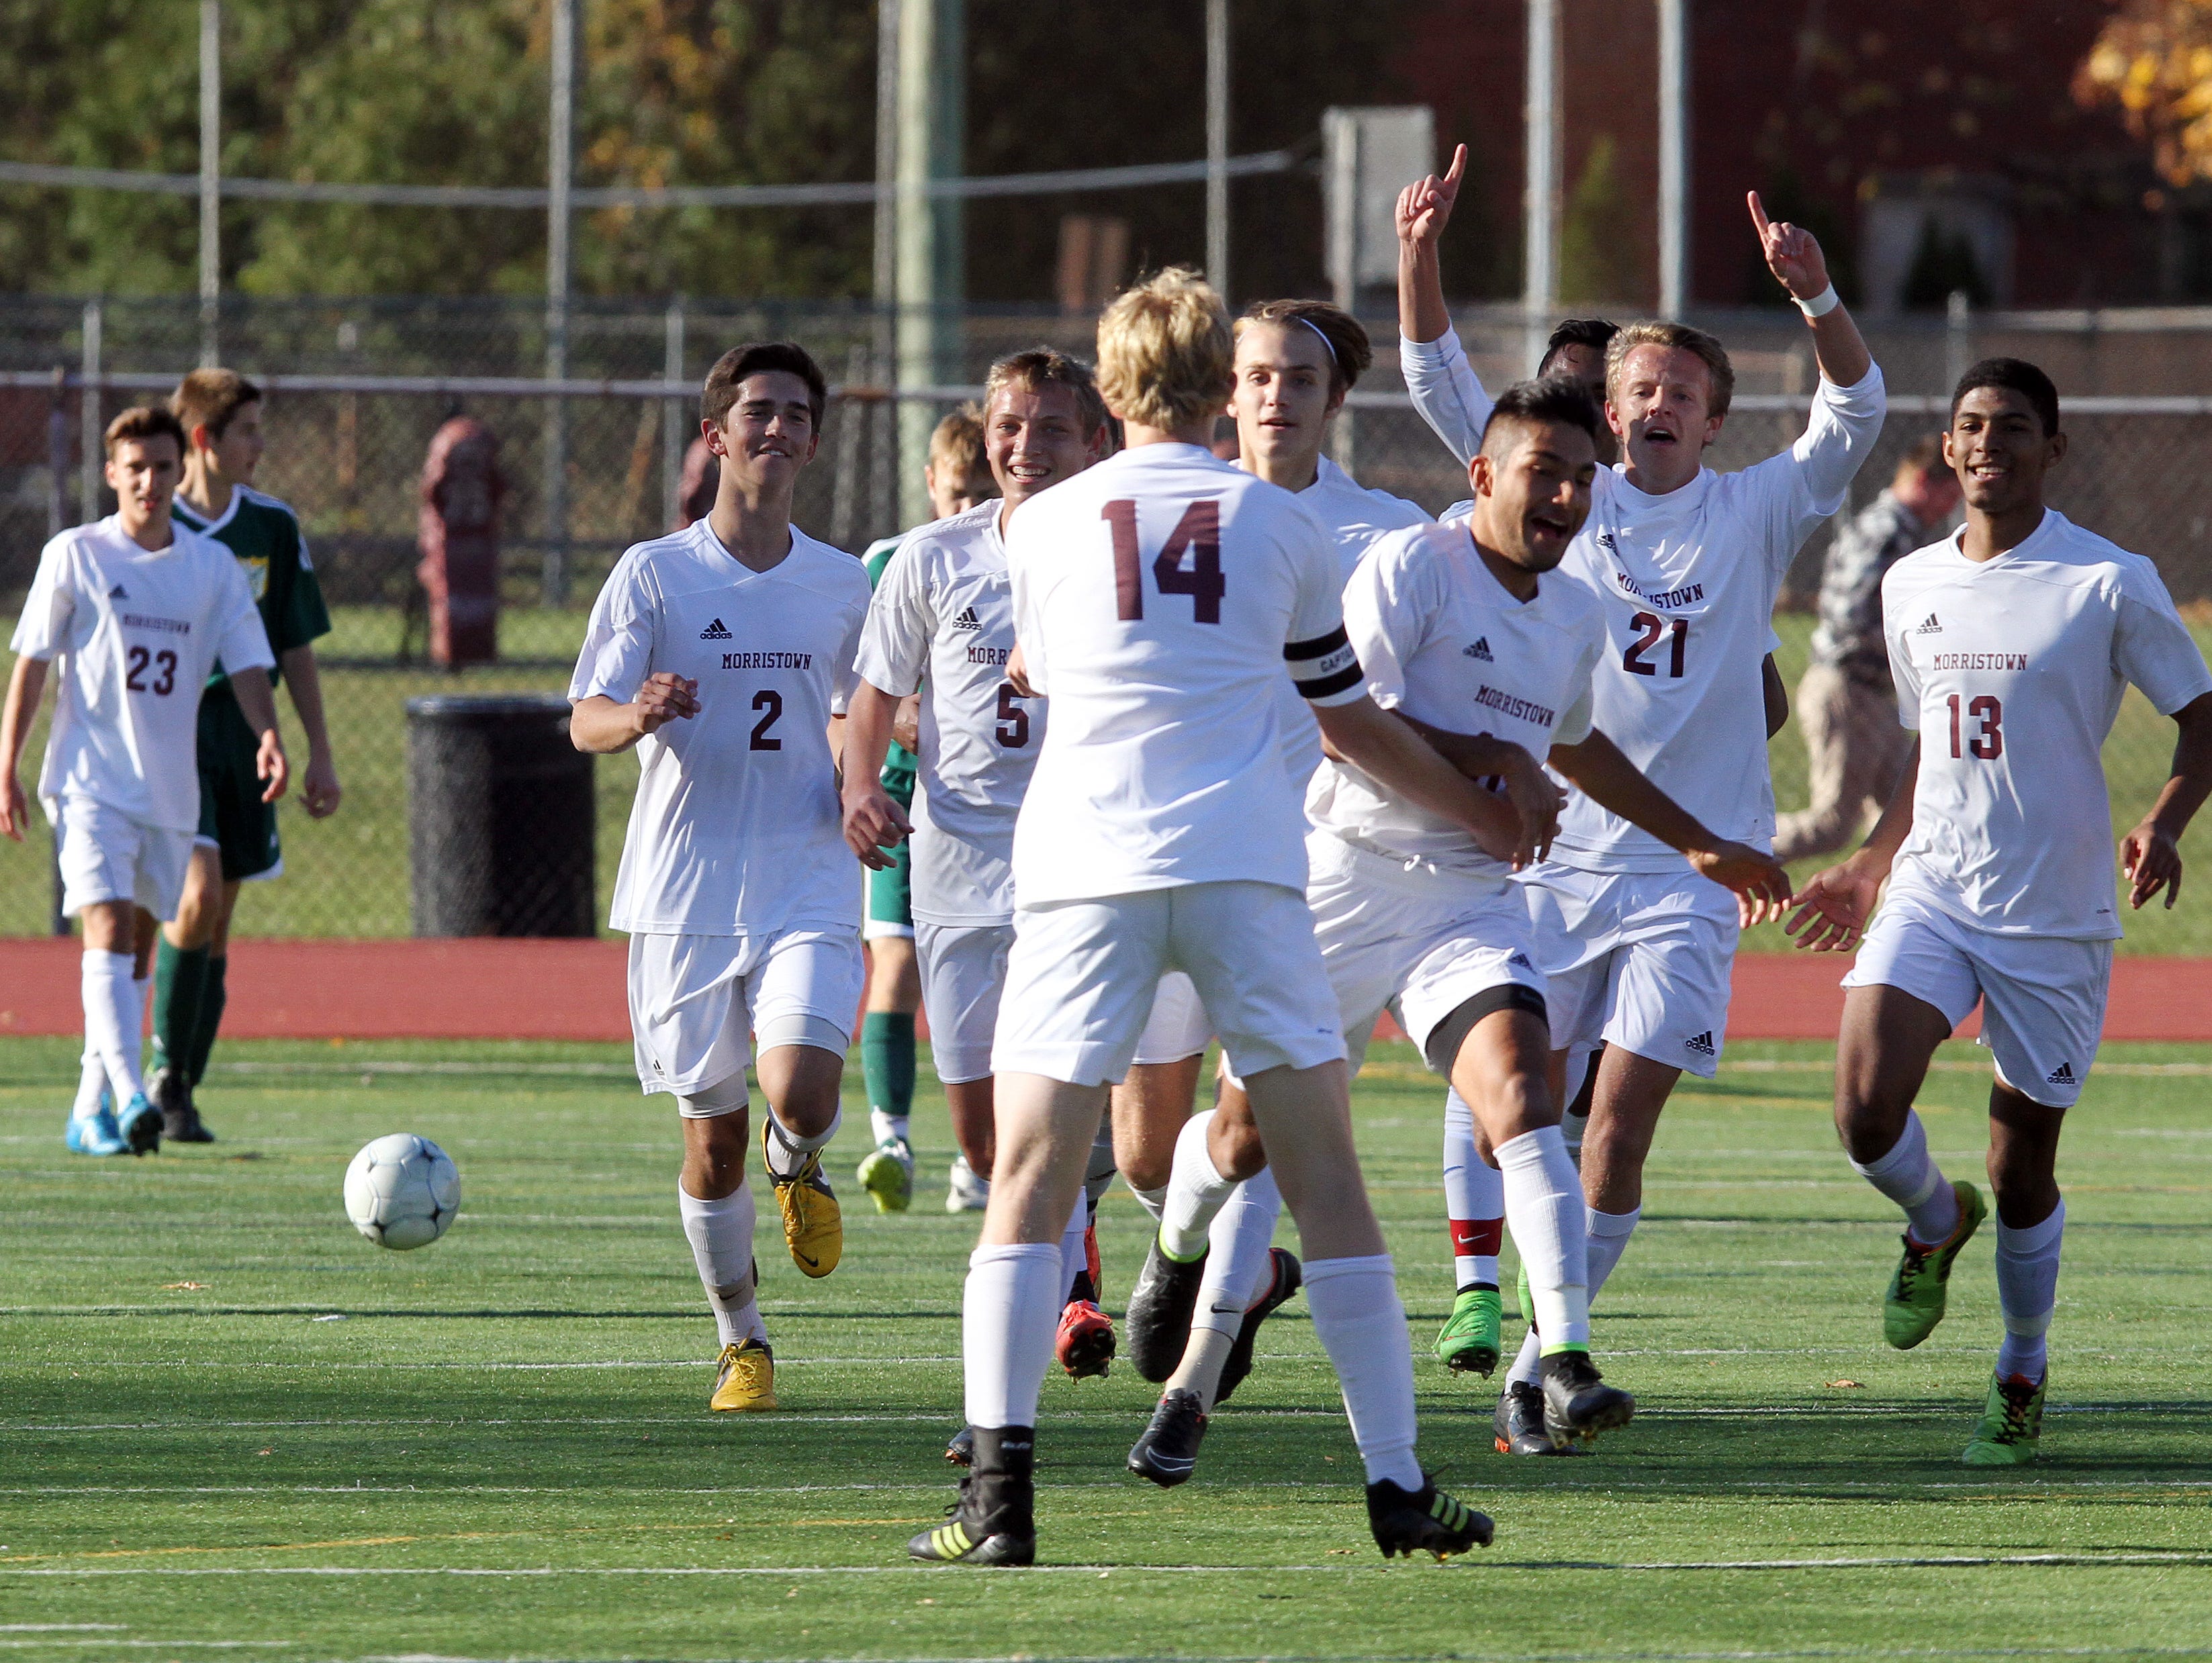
x=1480, y=650
x=1930, y=627
x=1702, y=1044
x=2062, y=1074
x=968, y=620
x=714, y=632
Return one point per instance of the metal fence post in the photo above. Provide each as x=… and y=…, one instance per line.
x=57, y=447
x=1958, y=337
x=90, y=428
x=674, y=440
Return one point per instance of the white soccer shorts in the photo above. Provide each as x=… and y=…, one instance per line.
x=1178, y=1026
x=1083, y=976
x=697, y=1002
x=1638, y=960
x=963, y=972
x=105, y=855
x=1426, y=940
x=2042, y=997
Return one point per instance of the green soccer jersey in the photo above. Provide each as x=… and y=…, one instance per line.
x=265, y=534
x=899, y=764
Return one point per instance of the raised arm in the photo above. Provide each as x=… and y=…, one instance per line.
x=1446, y=390
x=1793, y=255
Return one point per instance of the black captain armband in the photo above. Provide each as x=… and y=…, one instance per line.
x=1324, y=666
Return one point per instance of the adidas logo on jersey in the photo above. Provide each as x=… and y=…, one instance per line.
x=1517, y=957
x=119, y=593
x=968, y=620
x=1480, y=650
x=1930, y=627
x=1703, y=1044
x=714, y=632
x=2062, y=1074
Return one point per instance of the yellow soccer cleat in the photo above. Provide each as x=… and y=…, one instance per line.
x=813, y=1229
x=747, y=1379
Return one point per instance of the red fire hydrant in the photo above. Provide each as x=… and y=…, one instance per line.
x=458, y=531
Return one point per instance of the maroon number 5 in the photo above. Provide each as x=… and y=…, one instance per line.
x=1197, y=533
x=1988, y=744
x=1013, y=729
x=1650, y=626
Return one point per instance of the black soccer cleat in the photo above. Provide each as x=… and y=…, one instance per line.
x=1160, y=1307
x=1578, y=1403
x=1168, y=1452
x=1290, y=1277
x=960, y=1449
x=994, y=1521
x=172, y=1093
x=1519, y=1426
x=1425, y=1520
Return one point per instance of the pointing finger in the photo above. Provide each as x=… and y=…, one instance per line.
x=1458, y=167
x=1757, y=214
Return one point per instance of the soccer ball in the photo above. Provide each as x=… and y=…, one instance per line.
x=402, y=1190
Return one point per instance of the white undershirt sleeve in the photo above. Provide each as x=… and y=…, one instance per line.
x=1446, y=392
x=1793, y=492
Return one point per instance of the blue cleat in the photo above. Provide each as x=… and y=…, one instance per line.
x=95, y=1133
x=140, y=1125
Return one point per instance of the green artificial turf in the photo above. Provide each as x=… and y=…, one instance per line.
x=502, y=1448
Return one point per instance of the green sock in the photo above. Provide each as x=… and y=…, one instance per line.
x=887, y=1061
x=212, y=1003
x=179, y=989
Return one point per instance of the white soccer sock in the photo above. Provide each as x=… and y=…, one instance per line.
x=1908, y=1176
x=1605, y=1236
x=1196, y=1192
x=721, y=1236
x=1475, y=1200
x=91, y=1081
x=1008, y=1315
x=1238, y=1271
x=2027, y=1288
x=787, y=1151
x=112, y=1018
x=1362, y=1326
x=1544, y=1200
x=1154, y=1201
x=886, y=1128
x=1073, y=1260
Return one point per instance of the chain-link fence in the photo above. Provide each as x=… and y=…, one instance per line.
x=358, y=388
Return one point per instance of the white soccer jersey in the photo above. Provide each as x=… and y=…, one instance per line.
x=736, y=831
x=944, y=617
x=136, y=634
x=2012, y=671
x=1356, y=520
x=1158, y=597
x=1442, y=639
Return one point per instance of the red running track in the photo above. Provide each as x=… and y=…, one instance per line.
x=573, y=990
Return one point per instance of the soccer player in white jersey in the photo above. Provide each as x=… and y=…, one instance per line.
x=1296, y=360
x=2012, y=641
x=1158, y=598
x=1687, y=563
x=943, y=625
x=1464, y=636
x=138, y=610
x=723, y=653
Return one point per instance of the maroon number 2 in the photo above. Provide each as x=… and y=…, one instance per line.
x=1198, y=533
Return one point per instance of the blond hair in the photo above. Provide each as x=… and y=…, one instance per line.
x=1349, y=352
x=1166, y=358
x=1036, y=368
x=958, y=444
x=1680, y=338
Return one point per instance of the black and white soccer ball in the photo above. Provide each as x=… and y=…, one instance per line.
x=402, y=1190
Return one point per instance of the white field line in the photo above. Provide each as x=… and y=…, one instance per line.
x=1946, y=1065
x=1872, y=1562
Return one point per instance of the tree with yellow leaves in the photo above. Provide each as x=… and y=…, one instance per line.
x=2154, y=60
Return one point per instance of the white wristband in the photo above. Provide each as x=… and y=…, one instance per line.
x=1821, y=304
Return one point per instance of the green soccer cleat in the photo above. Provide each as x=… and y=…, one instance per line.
x=1468, y=1342
x=1914, y=1303
x=887, y=1174
x=2011, y=1422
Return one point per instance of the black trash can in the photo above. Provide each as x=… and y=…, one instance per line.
x=499, y=817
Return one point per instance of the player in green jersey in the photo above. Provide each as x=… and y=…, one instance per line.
x=221, y=412
x=957, y=478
